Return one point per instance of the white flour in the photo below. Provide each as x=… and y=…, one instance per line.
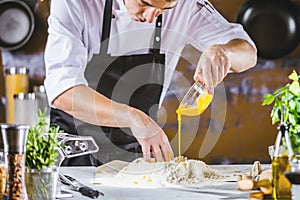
x=180, y=171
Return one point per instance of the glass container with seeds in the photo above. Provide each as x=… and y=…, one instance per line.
x=14, y=140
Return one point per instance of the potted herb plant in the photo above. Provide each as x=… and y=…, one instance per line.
x=287, y=97
x=41, y=174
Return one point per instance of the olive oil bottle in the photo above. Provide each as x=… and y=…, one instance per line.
x=281, y=186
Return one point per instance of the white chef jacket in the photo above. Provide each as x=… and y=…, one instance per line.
x=75, y=28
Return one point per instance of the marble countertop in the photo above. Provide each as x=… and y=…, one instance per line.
x=226, y=190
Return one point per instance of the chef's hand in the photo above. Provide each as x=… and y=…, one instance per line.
x=215, y=62
x=212, y=67
x=151, y=137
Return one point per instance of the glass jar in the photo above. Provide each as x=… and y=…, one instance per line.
x=195, y=101
x=41, y=95
x=16, y=81
x=14, y=142
x=26, y=108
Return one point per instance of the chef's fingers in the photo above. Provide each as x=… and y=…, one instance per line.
x=204, y=73
x=208, y=78
x=166, y=149
x=198, y=76
x=146, y=152
x=156, y=151
x=215, y=75
x=167, y=153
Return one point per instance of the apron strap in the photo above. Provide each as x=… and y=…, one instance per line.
x=107, y=25
x=157, y=35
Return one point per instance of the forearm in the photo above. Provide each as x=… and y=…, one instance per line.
x=90, y=106
x=87, y=105
x=241, y=55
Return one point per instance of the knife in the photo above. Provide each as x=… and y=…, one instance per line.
x=77, y=186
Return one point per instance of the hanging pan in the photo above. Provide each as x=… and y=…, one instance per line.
x=273, y=25
x=16, y=24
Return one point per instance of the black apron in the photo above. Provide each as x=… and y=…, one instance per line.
x=136, y=80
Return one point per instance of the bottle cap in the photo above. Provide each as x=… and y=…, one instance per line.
x=16, y=70
x=25, y=96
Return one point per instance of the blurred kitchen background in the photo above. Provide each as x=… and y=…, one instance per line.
x=247, y=131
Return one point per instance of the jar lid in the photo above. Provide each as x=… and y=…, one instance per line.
x=16, y=70
x=14, y=137
x=14, y=126
x=39, y=88
x=25, y=96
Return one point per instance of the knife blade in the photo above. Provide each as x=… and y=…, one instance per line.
x=77, y=186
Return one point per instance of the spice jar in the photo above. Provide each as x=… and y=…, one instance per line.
x=14, y=141
x=42, y=99
x=16, y=81
x=41, y=95
x=26, y=108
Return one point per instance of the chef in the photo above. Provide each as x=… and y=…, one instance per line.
x=109, y=64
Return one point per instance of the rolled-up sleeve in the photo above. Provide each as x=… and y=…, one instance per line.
x=65, y=53
x=207, y=27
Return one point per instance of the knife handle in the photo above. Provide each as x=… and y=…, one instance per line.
x=86, y=191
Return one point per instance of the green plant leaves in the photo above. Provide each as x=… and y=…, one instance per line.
x=292, y=119
x=292, y=104
x=295, y=88
x=268, y=99
x=275, y=115
x=41, y=145
x=288, y=97
x=294, y=76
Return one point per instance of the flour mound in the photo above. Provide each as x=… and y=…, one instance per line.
x=190, y=172
x=180, y=171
